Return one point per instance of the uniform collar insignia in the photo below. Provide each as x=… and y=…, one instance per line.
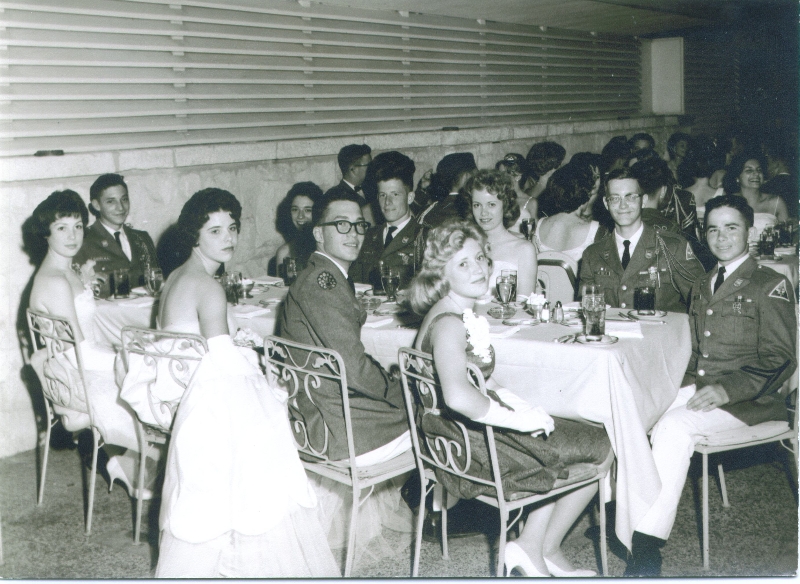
x=738, y=282
x=104, y=243
x=405, y=240
x=648, y=254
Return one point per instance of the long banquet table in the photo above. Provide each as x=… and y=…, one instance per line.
x=625, y=386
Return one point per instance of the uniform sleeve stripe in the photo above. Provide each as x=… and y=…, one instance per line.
x=769, y=375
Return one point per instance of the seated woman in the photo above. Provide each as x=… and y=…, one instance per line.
x=568, y=201
x=516, y=167
x=744, y=177
x=64, y=289
x=455, y=273
x=678, y=147
x=293, y=221
x=236, y=501
x=695, y=172
x=542, y=160
x=494, y=207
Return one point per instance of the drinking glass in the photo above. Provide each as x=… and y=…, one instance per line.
x=232, y=282
x=644, y=300
x=593, y=303
x=153, y=280
x=506, y=288
x=121, y=283
x=512, y=275
x=390, y=278
x=767, y=247
x=289, y=271
x=247, y=286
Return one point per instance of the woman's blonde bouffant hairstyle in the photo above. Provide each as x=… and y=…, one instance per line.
x=429, y=286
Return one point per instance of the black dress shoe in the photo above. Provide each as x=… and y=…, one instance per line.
x=645, y=561
x=467, y=518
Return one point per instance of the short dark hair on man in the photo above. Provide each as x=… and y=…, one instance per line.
x=36, y=228
x=734, y=202
x=350, y=154
x=393, y=165
x=498, y=183
x=619, y=174
x=544, y=157
x=642, y=136
x=283, y=215
x=103, y=182
x=197, y=209
x=652, y=174
x=321, y=205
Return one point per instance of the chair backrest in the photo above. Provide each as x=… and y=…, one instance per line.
x=169, y=360
x=422, y=391
x=556, y=277
x=64, y=381
x=298, y=367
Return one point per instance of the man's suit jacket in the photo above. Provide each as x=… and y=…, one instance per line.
x=344, y=187
x=744, y=337
x=100, y=245
x=399, y=255
x=321, y=310
x=672, y=256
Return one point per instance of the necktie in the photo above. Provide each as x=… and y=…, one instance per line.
x=720, y=278
x=119, y=241
x=351, y=284
x=389, y=235
x=626, y=255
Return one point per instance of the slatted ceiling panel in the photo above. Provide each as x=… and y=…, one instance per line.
x=117, y=74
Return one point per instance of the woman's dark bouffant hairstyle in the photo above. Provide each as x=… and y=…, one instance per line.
x=202, y=204
x=66, y=203
x=652, y=174
x=283, y=215
x=673, y=142
x=730, y=181
x=544, y=157
x=498, y=183
x=442, y=243
x=569, y=188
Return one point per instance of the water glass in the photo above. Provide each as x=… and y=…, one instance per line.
x=594, y=311
x=232, y=282
x=153, y=280
x=767, y=244
x=390, y=278
x=644, y=300
x=121, y=283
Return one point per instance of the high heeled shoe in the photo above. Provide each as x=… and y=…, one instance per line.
x=559, y=573
x=116, y=473
x=517, y=558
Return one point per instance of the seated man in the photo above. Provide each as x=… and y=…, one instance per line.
x=744, y=334
x=635, y=254
x=353, y=161
x=109, y=241
x=390, y=244
x=321, y=310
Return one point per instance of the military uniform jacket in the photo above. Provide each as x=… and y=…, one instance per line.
x=672, y=256
x=321, y=310
x=399, y=254
x=744, y=338
x=100, y=245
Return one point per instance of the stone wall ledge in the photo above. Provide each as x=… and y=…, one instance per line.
x=31, y=168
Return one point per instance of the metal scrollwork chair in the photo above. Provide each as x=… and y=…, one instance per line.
x=159, y=366
x=298, y=367
x=453, y=456
x=64, y=385
x=556, y=277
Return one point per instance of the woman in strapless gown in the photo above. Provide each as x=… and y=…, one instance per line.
x=454, y=275
x=236, y=501
x=744, y=177
x=493, y=201
x=60, y=289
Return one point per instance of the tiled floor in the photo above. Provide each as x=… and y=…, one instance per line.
x=756, y=536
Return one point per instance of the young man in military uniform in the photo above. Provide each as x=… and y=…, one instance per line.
x=392, y=243
x=110, y=241
x=635, y=254
x=744, y=338
x=321, y=310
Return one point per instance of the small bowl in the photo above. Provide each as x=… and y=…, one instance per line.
x=370, y=303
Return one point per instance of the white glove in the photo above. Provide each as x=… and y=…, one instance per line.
x=523, y=418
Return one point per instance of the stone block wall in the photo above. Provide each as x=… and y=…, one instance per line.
x=260, y=174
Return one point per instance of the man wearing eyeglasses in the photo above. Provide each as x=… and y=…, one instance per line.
x=636, y=255
x=321, y=309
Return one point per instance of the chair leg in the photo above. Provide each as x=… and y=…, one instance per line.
x=46, y=452
x=351, y=539
x=423, y=486
x=705, y=512
x=92, y=479
x=501, y=548
x=445, y=545
x=722, y=487
x=137, y=529
x=603, y=523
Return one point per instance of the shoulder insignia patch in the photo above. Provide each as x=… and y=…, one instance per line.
x=326, y=280
x=689, y=252
x=780, y=291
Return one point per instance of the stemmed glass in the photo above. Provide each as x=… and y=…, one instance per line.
x=506, y=289
x=390, y=278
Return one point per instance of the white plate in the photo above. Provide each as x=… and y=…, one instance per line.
x=604, y=340
x=657, y=316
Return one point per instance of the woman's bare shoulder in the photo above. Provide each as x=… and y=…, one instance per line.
x=51, y=288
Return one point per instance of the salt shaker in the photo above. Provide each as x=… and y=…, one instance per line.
x=558, y=315
x=545, y=312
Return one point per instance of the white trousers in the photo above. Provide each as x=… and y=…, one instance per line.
x=673, y=439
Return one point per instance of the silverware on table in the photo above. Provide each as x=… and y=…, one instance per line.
x=629, y=317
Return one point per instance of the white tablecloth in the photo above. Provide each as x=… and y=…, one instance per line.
x=625, y=386
x=786, y=265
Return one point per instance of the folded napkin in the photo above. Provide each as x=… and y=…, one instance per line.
x=249, y=311
x=361, y=288
x=624, y=330
x=136, y=302
x=502, y=331
x=378, y=323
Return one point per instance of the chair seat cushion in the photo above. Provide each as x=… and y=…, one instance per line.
x=762, y=431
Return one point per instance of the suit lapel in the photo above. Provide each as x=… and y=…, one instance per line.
x=733, y=282
x=643, y=253
x=609, y=254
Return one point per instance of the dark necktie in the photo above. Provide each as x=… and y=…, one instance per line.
x=720, y=278
x=119, y=241
x=351, y=284
x=389, y=235
x=626, y=255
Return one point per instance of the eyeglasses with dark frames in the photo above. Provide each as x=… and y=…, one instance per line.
x=344, y=227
